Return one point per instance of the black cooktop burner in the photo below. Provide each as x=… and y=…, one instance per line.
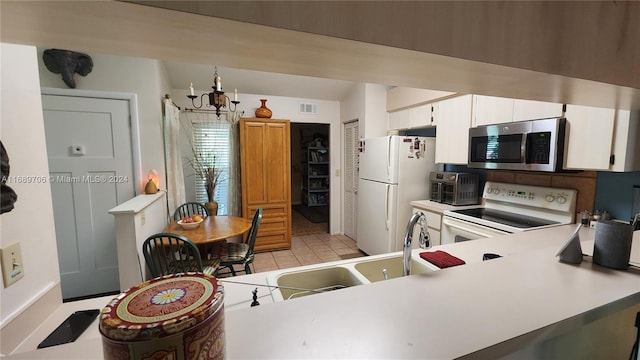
x=506, y=218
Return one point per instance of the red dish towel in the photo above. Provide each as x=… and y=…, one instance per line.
x=441, y=259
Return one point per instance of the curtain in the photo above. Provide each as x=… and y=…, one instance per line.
x=235, y=193
x=173, y=159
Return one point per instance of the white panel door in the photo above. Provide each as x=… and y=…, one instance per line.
x=91, y=171
x=351, y=140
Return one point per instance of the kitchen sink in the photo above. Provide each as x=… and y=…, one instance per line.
x=315, y=279
x=372, y=270
x=297, y=284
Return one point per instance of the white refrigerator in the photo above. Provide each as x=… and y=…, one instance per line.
x=394, y=170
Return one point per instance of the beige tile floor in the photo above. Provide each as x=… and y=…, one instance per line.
x=308, y=250
x=310, y=244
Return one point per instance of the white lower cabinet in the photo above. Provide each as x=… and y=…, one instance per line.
x=434, y=223
x=452, y=134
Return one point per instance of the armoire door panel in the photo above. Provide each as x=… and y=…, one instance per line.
x=254, y=148
x=279, y=178
x=266, y=179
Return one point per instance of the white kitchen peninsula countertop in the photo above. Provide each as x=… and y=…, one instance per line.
x=477, y=310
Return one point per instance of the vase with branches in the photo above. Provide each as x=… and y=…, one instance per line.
x=206, y=167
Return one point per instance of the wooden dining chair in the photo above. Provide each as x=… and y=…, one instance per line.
x=166, y=254
x=230, y=254
x=189, y=209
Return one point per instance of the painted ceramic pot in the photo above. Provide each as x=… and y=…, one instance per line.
x=169, y=317
x=263, y=111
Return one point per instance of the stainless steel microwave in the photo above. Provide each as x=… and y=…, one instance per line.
x=535, y=145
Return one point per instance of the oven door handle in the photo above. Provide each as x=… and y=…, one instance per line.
x=447, y=222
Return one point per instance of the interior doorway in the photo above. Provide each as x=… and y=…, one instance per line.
x=309, y=178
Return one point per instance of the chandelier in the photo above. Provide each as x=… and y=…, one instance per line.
x=217, y=97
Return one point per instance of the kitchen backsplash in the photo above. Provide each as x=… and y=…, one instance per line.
x=584, y=182
x=610, y=191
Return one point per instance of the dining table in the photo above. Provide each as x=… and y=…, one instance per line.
x=212, y=229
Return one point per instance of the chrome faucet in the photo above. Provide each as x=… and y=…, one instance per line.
x=425, y=239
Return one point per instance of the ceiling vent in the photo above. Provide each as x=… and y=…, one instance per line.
x=308, y=108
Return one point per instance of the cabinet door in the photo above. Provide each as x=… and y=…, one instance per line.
x=590, y=137
x=399, y=120
x=277, y=160
x=452, y=135
x=491, y=110
x=265, y=167
x=254, y=168
x=529, y=110
x=420, y=116
x=626, y=141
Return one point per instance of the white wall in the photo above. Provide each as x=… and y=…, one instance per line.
x=144, y=77
x=31, y=221
x=288, y=108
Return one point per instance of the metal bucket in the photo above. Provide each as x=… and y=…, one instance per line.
x=171, y=317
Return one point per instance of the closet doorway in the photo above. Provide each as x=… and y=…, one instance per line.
x=310, y=177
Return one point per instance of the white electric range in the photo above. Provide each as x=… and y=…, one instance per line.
x=507, y=209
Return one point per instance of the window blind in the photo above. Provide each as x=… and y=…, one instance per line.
x=213, y=137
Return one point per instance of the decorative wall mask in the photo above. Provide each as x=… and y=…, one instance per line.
x=7, y=196
x=67, y=63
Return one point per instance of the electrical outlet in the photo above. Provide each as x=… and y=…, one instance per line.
x=12, y=267
x=143, y=218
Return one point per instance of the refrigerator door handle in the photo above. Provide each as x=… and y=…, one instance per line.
x=386, y=208
x=389, y=159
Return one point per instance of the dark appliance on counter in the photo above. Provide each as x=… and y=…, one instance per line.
x=454, y=188
x=534, y=145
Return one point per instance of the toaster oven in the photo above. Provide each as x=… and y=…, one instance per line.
x=454, y=188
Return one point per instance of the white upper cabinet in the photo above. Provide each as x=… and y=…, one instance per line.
x=398, y=120
x=415, y=117
x=530, y=109
x=602, y=139
x=491, y=110
x=452, y=135
x=626, y=142
x=590, y=137
x=420, y=116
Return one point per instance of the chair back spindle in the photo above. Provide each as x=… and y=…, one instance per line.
x=189, y=209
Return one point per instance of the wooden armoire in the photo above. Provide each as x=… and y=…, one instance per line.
x=266, y=179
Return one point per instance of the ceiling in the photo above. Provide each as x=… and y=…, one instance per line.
x=256, y=82
x=117, y=28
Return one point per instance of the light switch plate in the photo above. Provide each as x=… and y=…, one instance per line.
x=12, y=267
